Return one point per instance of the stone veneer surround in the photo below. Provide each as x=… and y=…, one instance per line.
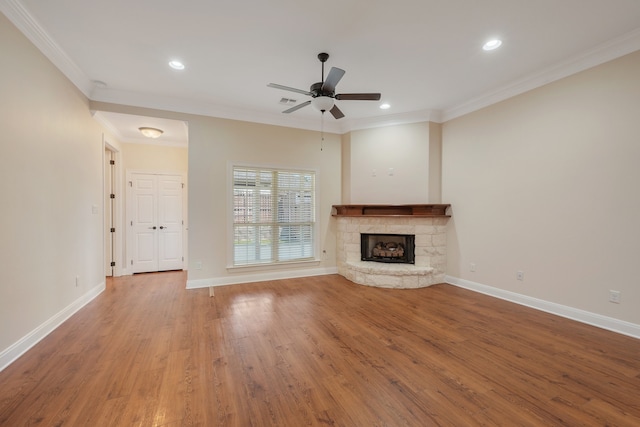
x=430, y=253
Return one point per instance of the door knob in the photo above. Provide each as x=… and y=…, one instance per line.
x=162, y=227
x=152, y=228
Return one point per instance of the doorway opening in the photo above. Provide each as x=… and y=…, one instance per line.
x=155, y=224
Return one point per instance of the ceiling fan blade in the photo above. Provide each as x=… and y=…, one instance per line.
x=297, y=107
x=291, y=89
x=335, y=111
x=358, y=96
x=335, y=74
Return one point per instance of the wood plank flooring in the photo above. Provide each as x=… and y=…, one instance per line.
x=316, y=352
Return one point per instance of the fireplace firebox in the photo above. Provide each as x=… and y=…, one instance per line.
x=392, y=248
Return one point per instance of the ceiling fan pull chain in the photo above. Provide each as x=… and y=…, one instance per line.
x=321, y=130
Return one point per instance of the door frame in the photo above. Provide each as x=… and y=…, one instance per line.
x=129, y=213
x=118, y=204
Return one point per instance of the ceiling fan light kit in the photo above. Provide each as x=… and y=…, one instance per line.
x=323, y=93
x=322, y=103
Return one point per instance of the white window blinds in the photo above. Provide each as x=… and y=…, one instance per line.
x=273, y=215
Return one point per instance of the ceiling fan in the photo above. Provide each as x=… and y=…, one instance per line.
x=323, y=93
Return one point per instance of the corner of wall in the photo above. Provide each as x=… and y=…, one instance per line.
x=346, y=168
x=435, y=162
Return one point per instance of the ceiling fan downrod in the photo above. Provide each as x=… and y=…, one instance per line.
x=323, y=58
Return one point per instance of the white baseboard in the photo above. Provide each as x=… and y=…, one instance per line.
x=593, y=319
x=17, y=349
x=259, y=277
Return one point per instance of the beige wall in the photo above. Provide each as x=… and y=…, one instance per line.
x=435, y=163
x=547, y=183
x=374, y=152
x=154, y=157
x=346, y=168
x=51, y=182
x=215, y=144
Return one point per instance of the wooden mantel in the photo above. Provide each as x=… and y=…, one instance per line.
x=420, y=211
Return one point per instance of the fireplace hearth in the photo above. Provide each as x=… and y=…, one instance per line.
x=390, y=248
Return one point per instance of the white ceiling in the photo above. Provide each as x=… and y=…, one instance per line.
x=126, y=127
x=424, y=56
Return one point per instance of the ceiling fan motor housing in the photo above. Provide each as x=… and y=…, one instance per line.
x=316, y=90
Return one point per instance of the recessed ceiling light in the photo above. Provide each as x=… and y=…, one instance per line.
x=492, y=44
x=176, y=65
x=385, y=106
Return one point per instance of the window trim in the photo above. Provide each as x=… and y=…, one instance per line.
x=315, y=260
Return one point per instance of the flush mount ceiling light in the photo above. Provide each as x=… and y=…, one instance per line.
x=492, y=44
x=150, y=132
x=176, y=65
x=385, y=106
x=322, y=103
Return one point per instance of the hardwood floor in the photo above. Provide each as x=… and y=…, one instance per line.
x=318, y=351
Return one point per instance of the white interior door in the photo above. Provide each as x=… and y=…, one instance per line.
x=156, y=222
x=170, y=222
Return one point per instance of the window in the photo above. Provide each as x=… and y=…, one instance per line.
x=273, y=215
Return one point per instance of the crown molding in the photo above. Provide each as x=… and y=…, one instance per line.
x=29, y=26
x=15, y=11
x=602, y=53
x=99, y=117
x=393, y=119
x=204, y=108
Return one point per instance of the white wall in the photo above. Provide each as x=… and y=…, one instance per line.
x=51, y=185
x=388, y=165
x=548, y=183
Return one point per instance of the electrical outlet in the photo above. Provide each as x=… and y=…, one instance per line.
x=520, y=275
x=197, y=265
x=472, y=267
x=614, y=297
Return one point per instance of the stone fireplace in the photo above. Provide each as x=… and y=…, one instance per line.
x=426, y=224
